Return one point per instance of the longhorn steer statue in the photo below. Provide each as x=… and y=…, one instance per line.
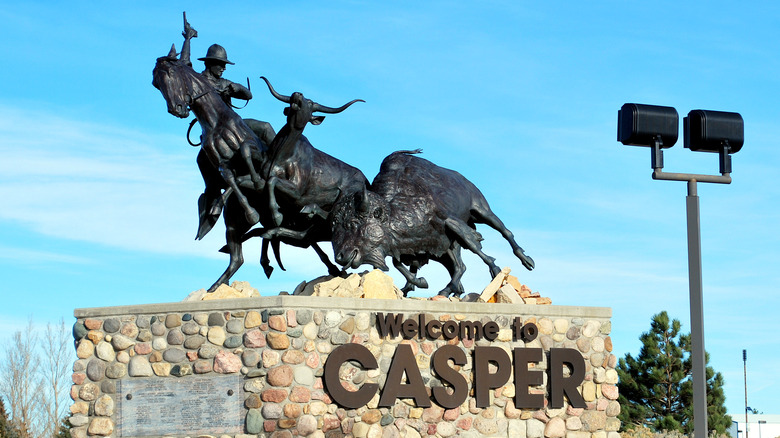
x=308, y=180
x=416, y=211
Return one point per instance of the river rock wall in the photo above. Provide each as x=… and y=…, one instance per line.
x=278, y=346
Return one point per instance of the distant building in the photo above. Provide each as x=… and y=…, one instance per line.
x=758, y=426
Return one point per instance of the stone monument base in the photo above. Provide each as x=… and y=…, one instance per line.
x=285, y=366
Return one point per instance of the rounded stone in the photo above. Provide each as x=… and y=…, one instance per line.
x=190, y=328
x=310, y=330
x=300, y=394
x=105, y=351
x=116, y=370
x=304, y=376
x=254, y=339
x=85, y=349
x=96, y=370
x=307, y=424
x=202, y=366
x=226, y=362
x=207, y=351
x=159, y=344
x=332, y=318
x=158, y=328
x=486, y=426
x=233, y=342
x=254, y=422
x=216, y=319
x=143, y=348
x=217, y=335
x=573, y=423
x=573, y=333
x=172, y=320
x=555, y=428
x=104, y=406
x=278, y=322
x=235, y=326
x=613, y=408
x=194, y=342
x=250, y=358
x=139, y=366
x=280, y=376
x=561, y=325
x=278, y=341
x=295, y=332
x=144, y=336
x=597, y=344
x=79, y=330
x=181, y=370
x=175, y=337
x=111, y=325
x=121, y=342
x=272, y=411
x=101, y=426
x=293, y=357
x=534, y=428
x=174, y=355
x=591, y=328
x=610, y=391
x=143, y=322
x=303, y=316
x=593, y=420
x=186, y=317
x=129, y=329
x=89, y=392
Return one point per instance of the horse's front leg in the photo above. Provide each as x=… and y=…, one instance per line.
x=227, y=174
x=233, y=236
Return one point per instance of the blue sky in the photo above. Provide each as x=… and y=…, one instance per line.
x=98, y=187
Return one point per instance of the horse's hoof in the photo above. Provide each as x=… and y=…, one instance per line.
x=422, y=282
x=528, y=262
x=278, y=218
x=252, y=217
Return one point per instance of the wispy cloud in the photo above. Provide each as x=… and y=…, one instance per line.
x=96, y=183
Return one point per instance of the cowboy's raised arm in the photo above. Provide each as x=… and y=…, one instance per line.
x=188, y=34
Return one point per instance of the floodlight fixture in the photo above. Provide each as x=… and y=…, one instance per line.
x=714, y=131
x=653, y=126
x=705, y=131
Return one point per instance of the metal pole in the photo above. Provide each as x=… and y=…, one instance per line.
x=744, y=369
x=698, y=361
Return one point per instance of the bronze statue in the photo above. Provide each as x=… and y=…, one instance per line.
x=233, y=154
x=413, y=211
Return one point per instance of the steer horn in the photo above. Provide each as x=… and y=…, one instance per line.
x=329, y=110
x=285, y=99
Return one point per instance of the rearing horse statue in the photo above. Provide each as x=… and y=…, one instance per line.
x=226, y=137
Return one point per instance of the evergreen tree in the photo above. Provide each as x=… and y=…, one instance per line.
x=7, y=430
x=64, y=429
x=656, y=390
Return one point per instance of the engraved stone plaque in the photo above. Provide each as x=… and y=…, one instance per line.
x=192, y=405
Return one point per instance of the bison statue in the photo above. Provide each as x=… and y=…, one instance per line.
x=414, y=212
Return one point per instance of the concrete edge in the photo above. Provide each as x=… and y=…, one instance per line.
x=288, y=302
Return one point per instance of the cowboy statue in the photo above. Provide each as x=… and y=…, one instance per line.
x=210, y=202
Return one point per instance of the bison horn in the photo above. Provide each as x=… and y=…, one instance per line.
x=285, y=99
x=361, y=201
x=329, y=110
x=172, y=53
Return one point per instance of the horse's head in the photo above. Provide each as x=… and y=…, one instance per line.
x=169, y=76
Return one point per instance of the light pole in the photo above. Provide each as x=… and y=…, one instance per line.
x=744, y=373
x=706, y=131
